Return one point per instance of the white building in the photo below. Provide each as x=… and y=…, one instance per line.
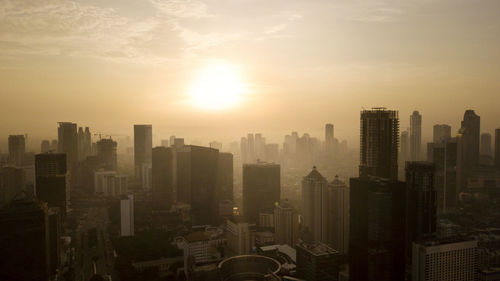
x=240, y=237
x=439, y=260
x=110, y=183
x=314, y=205
x=127, y=215
x=338, y=211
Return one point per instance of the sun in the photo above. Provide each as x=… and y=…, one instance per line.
x=217, y=86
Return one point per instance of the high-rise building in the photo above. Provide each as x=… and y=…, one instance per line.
x=164, y=176
x=51, y=181
x=441, y=132
x=405, y=147
x=468, y=148
x=315, y=205
x=110, y=183
x=379, y=143
x=317, y=261
x=338, y=215
x=143, y=145
x=497, y=148
x=486, y=144
x=421, y=207
x=29, y=240
x=225, y=177
x=106, y=152
x=261, y=188
x=445, y=177
x=197, y=172
x=12, y=183
x=164, y=143
x=377, y=229
x=17, y=148
x=240, y=236
x=243, y=150
x=415, y=135
x=216, y=145
x=127, y=215
x=286, y=224
x=329, y=139
x=84, y=143
x=250, y=148
x=68, y=142
x=45, y=146
x=444, y=260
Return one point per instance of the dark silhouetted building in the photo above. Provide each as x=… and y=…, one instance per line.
x=379, y=143
x=497, y=149
x=106, y=152
x=261, y=188
x=441, y=132
x=421, y=206
x=377, y=229
x=17, y=148
x=197, y=182
x=415, y=136
x=317, y=261
x=405, y=147
x=486, y=144
x=329, y=139
x=225, y=184
x=84, y=143
x=467, y=148
x=315, y=205
x=163, y=177
x=338, y=215
x=445, y=177
x=45, y=146
x=143, y=145
x=51, y=182
x=12, y=183
x=68, y=142
x=29, y=240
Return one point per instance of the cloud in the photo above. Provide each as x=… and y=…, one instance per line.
x=182, y=8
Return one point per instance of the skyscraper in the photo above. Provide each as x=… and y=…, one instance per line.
x=143, y=145
x=379, y=143
x=421, y=208
x=468, y=148
x=51, y=182
x=377, y=229
x=106, y=152
x=250, y=148
x=197, y=171
x=441, y=132
x=486, y=144
x=329, y=139
x=315, y=205
x=497, y=149
x=261, y=188
x=415, y=135
x=286, y=224
x=45, y=146
x=405, y=147
x=163, y=177
x=225, y=177
x=12, y=183
x=84, y=143
x=127, y=215
x=68, y=142
x=16, y=149
x=338, y=215
x=445, y=177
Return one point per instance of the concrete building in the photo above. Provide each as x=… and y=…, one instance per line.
x=468, y=140
x=486, y=145
x=261, y=188
x=317, y=261
x=17, y=148
x=286, y=224
x=127, y=215
x=444, y=260
x=143, y=145
x=240, y=236
x=106, y=152
x=68, y=142
x=405, y=147
x=315, y=205
x=497, y=149
x=441, y=133
x=338, y=215
x=12, y=183
x=51, y=182
x=164, y=177
x=110, y=183
x=415, y=136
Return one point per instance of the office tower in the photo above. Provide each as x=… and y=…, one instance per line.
x=415, y=135
x=197, y=182
x=240, y=236
x=377, y=229
x=259, y=146
x=379, y=143
x=54, y=146
x=110, y=183
x=45, y=146
x=216, y=145
x=81, y=141
x=16, y=149
x=261, y=188
x=106, y=152
x=286, y=224
x=250, y=148
x=338, y=215
x=225, y=177
x=143, y=145
x=329, y=139
x=468, y=148
x=163, y=177
x=497, y=148
x=441, y=133
x=29, y=240
x=317, y=261
x=164, y=143
x=405, y=147
x=127, y=215
x=68, y=142
x=84, y=143
x=421, y=208
x=486, y=144
x=444, y=260
x=51, y=182
x=445, y=177
x=244, y=150
x=315, y=205
x=12, y=183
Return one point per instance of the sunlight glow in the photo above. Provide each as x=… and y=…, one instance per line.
x=217, y=86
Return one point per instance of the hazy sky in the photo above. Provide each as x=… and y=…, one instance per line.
x=109, y=64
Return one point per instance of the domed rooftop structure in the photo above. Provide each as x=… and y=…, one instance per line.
x=248, y=268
